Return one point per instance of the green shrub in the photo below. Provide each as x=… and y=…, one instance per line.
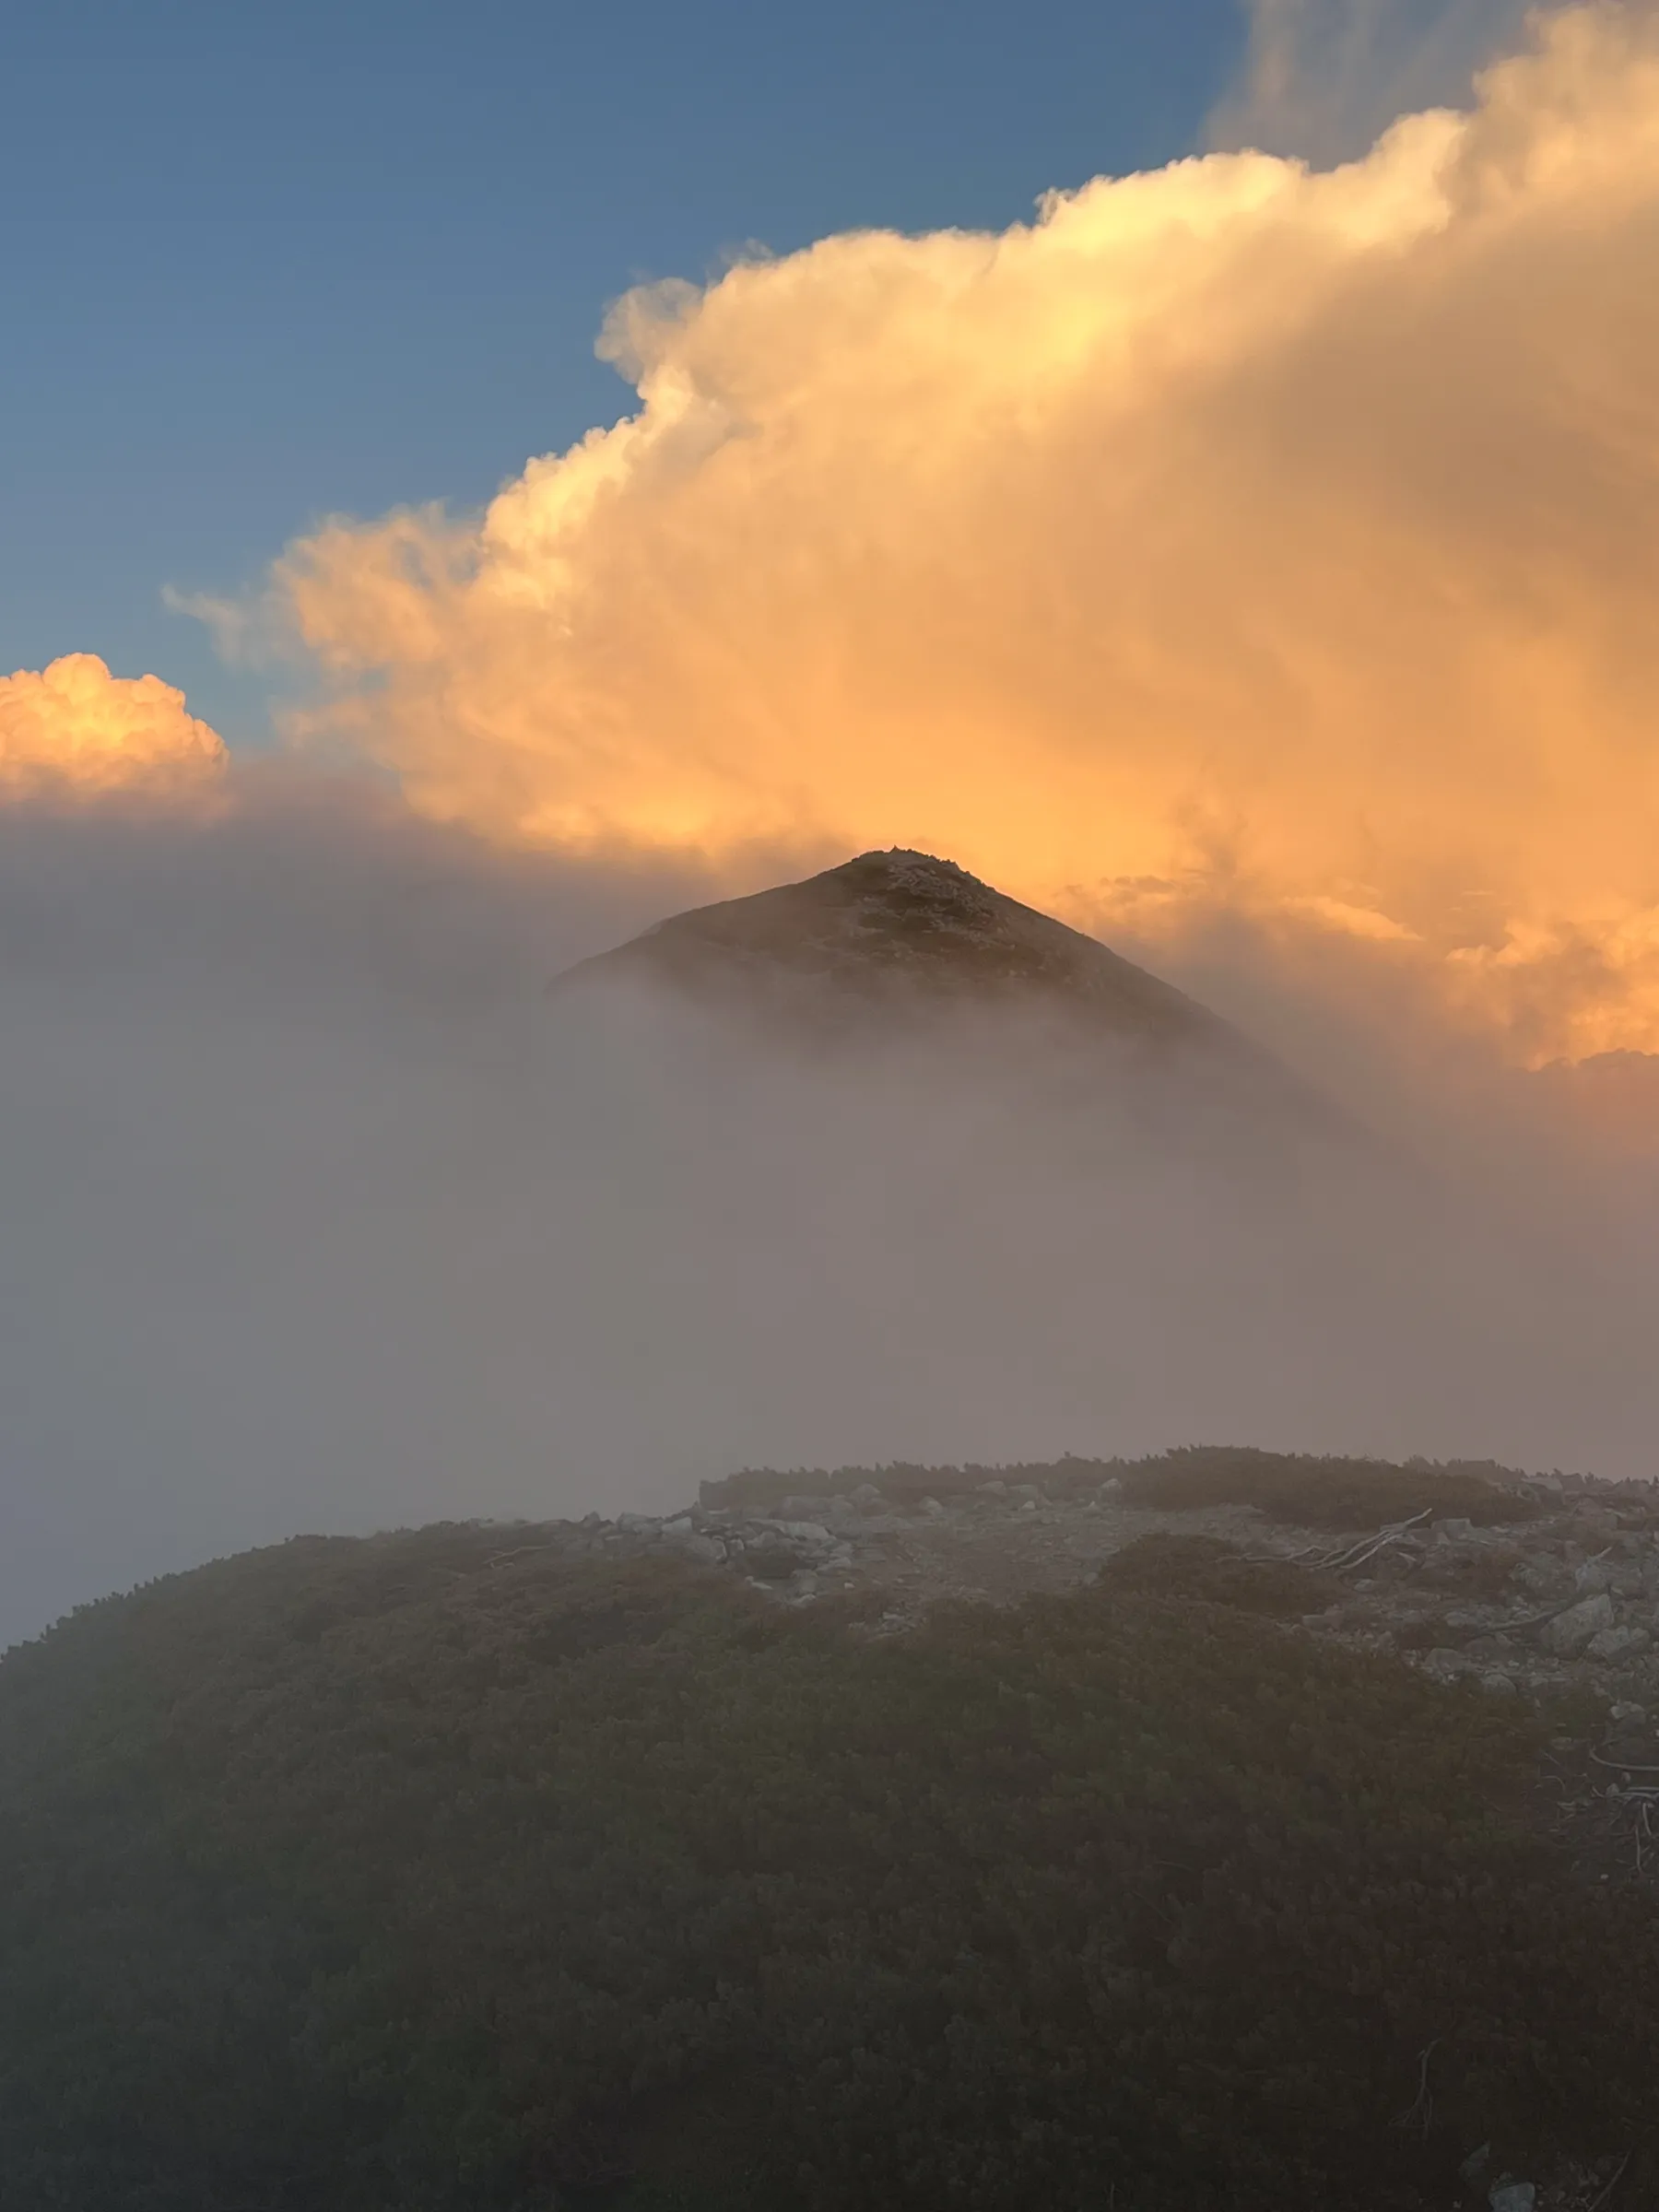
x=1216, y=1573
x=1321, y=1492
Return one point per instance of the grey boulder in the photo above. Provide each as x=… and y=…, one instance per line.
x=1570, y=1633
x=1618, y=1643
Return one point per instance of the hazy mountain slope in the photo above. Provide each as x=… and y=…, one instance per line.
x=900, y=943
x=319, y=1214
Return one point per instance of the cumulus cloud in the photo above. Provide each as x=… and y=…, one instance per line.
x=1240, y=532
x=74, y=724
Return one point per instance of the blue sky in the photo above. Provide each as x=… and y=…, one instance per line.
x=263, y=265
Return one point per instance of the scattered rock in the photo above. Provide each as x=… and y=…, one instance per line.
x=1513, y=2196
x=1543, y=1573
x=1568, y=1633
x=1476, y=2164
x=1613, y=1644
x=771, y=1562
x=1495, y=1644
x=700, y=1548
x=1002, y=1538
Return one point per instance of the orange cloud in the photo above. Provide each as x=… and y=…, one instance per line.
x=74, y=724
x=1238, y=532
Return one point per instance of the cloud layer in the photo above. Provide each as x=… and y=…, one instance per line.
x=1238, y=532
x=320, y=1212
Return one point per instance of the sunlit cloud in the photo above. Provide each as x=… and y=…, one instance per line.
x=74, y=725
x=1277, y=536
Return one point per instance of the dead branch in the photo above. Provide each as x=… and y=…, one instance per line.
x=1349, y=1556
x=1346, y=1556
x=1420, y=2114
x=1618, y=2176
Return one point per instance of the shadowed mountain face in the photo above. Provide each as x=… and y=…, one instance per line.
x=905, y=927
x=902, y=943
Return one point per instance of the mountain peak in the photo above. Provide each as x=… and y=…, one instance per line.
x=896, y=941
x=906, y=926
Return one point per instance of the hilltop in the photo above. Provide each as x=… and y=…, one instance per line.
x=643, y=1866
x=902, y=945
x=905, y=926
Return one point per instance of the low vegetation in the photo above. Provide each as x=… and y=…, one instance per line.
x=1203, y=1567
x=419, y=1874
x=1318, y=1491
x=1326, y=1492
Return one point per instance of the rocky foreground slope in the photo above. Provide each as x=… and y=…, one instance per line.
x=1556, y=1586
x=1540, y=1587
x=717, y=1862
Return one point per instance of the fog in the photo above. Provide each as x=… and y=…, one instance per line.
x=320, y=1213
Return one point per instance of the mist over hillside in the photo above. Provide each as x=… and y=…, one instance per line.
x=325, y=1211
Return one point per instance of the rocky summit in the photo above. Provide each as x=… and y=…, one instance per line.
x=903, y=943
x=902, y=925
